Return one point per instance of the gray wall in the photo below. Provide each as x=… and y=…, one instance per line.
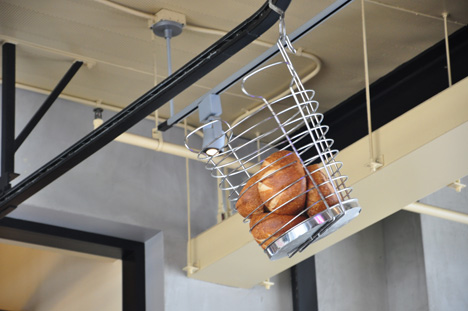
x=405, y=262
x=139, y=191
x=446, y=252
x=351, y=273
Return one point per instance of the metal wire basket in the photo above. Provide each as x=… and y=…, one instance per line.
x=295, y=129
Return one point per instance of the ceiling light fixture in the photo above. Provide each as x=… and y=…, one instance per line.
x=209, y=111
x=213, y=138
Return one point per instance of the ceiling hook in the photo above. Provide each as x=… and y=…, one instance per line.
x=276, y=9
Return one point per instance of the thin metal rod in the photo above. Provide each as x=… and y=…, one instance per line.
x=187, y=184
x=447, y=49
x=417, y=13
x=366, y=74
x=8, y=114
x=168, y=36
x=155, y=82
x=173, y=85
x=47, y=104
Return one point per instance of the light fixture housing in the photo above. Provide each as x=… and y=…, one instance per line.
x=209, y=110
x=213, y=138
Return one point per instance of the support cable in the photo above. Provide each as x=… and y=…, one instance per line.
x=447, y=49
x=373, y=164
x=190, y=268
x=457, y=184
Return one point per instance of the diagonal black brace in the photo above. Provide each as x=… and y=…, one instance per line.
x=183, y=78
x=8, y=115
x=47, y=104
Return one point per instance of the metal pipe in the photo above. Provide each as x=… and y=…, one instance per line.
x=93, y=103
x=162, y=146
x=194, y=28
x=126, y=9
x=435, y=211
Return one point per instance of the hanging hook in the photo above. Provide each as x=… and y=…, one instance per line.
x=282, y=26
x=276, y=9
x=289, y=45
x=283, y=35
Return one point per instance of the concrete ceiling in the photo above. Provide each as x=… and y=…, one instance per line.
x=124, y=57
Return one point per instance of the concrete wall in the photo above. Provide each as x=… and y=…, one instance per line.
x=351, y=274
x=135, y=188
x=446, y=252
x=405, y=262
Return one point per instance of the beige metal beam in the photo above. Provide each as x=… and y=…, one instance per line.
x=423, y=150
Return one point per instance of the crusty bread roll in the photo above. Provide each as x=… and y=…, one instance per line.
x=321, y=180
x=265, y=228
x=249, y=200
x=275, y=178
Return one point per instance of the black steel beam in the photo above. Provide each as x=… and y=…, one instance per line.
x=131, y=253
x=134, y=278
x=304, y=286
x=47, y=103
x=8, y=115
x=205, y=62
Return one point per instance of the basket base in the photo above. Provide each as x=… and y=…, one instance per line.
x=313, y=229
x=352, y=210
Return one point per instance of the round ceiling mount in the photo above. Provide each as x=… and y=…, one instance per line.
x=167, y=28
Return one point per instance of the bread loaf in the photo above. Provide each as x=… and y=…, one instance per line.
x=249, y=200
x=264, y=230
x=313, y=197
x=281, y=180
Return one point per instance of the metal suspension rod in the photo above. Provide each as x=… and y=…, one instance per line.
x=168, y=29
x=447, y=49
x=168, y=35
x=366, y=75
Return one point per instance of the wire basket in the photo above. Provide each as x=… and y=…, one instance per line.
x=297, y=165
